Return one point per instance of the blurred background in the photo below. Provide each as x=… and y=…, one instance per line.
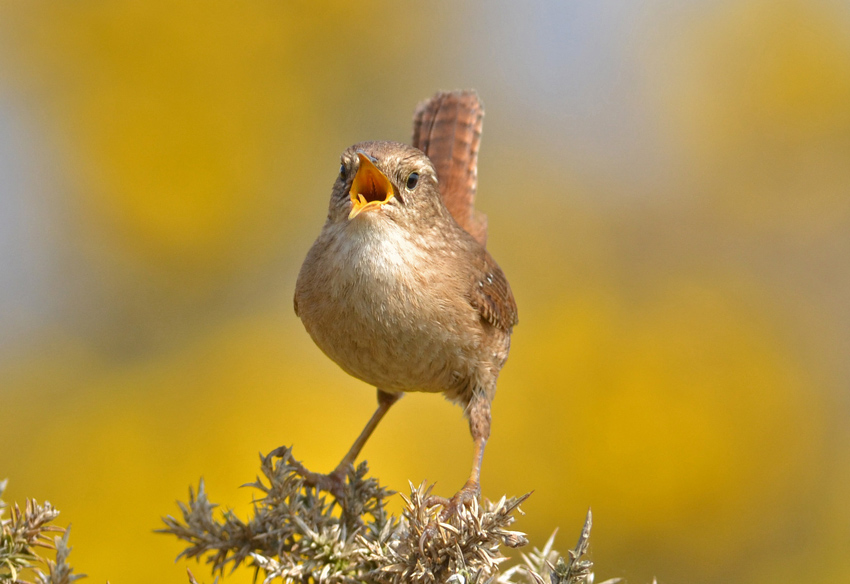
x=668, y=190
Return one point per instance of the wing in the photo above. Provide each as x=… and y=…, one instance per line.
x=447, y=128
x=491, y=295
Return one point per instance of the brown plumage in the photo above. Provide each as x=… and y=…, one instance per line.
x=447, y=128
x=398, y=288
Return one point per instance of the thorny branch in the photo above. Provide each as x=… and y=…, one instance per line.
x=300, y=534
x=22, y=534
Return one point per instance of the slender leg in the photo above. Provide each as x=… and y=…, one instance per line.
x=474, y=482
x=385, y=401
x=334, y=482
x=479, y=426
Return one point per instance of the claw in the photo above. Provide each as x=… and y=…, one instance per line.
x=333, y=483
x=436, y=500
x=427, y=534
x=464, y=497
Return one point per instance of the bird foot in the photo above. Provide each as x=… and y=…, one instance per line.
x=463, y=498
x=333, y=483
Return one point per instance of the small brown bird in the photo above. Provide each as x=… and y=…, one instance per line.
x=398, y=288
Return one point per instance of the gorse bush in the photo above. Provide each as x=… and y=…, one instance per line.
x=299, y=534
x=21, y=534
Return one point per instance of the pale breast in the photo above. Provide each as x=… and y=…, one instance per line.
x=378, y=303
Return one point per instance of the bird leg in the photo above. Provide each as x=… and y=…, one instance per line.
x=385, y=401
x=334, y=482
x=479, y=426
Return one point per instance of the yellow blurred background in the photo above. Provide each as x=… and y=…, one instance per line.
x=668, y=190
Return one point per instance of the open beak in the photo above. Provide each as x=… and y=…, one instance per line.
x=370, y=187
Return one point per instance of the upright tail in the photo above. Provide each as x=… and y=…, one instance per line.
x=447, y=128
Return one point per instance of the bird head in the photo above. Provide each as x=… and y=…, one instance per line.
x=380, y=181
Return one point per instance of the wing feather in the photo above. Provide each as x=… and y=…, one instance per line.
x=491, y=295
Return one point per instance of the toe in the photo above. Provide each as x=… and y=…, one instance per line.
x=463, y=498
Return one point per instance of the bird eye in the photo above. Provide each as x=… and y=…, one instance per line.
x=342, y=171
x=412, y=180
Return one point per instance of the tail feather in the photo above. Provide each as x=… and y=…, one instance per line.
x=447, y=128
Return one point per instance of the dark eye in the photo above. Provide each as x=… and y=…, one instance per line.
x=412, y=180
x=342, y=171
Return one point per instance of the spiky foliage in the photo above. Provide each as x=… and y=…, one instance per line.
x=22, y=534
x=429, y=545
x=298, y=534
x=575, y=569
